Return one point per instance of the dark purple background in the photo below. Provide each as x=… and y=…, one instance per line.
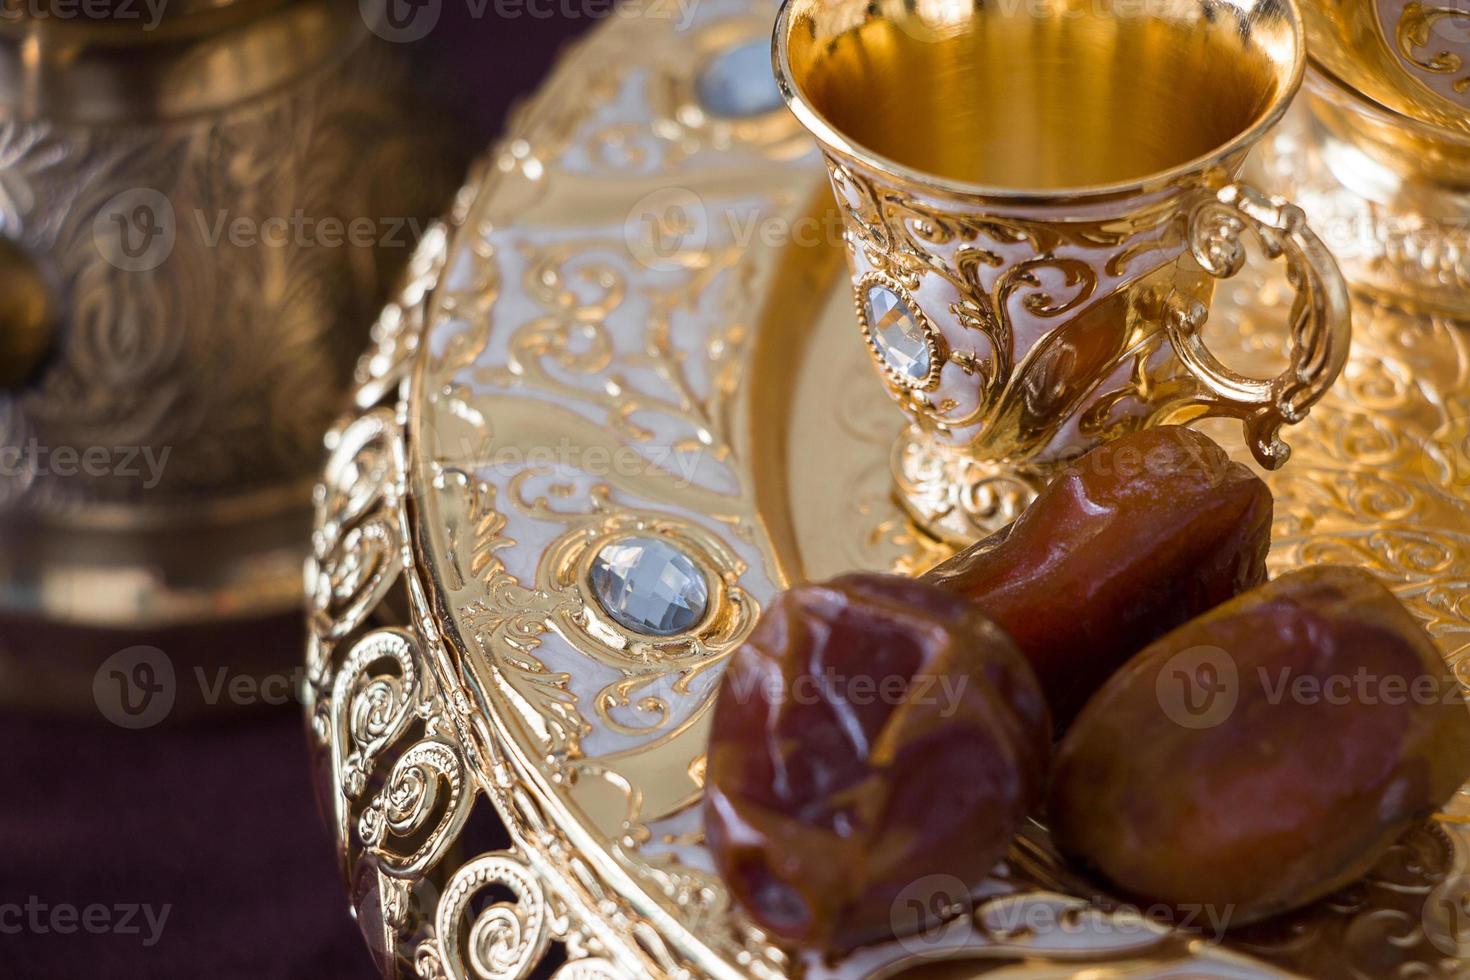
x=213, y=816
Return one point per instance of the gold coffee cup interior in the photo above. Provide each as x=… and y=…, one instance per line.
x=1042, y=95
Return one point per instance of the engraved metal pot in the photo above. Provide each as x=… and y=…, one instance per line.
x=200, y=206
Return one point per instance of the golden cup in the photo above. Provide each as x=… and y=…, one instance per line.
x=1038, y=197
x=1408, y=56
x=1378, y=151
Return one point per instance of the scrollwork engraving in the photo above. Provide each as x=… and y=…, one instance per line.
x=1416, y=35
x=505, y=940
x=428, y=779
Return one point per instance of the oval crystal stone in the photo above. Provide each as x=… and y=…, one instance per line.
x=896, y=331
x=739, y=82
x=649, y=586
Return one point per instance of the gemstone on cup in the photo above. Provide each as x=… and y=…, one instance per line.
x=738, y=83
x=897, y=333
x=649, y=586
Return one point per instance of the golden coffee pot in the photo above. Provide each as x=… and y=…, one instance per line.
x=202, y=206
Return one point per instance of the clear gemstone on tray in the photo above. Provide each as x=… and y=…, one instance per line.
x=649, y=586
x=896, y=331
x=739, y=82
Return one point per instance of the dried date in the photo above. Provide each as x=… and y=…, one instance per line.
x=871, y=731
x=1267, y=753
x=1129, y=541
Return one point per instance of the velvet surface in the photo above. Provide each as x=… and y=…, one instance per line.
x=209, y=814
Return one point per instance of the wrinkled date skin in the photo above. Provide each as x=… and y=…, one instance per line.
x=1240, y=764
x=871, y=731
x=1129, y=541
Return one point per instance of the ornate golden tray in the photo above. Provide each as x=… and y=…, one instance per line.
x=632, y=344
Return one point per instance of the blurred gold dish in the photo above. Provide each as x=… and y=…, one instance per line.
x=1409, y=56
x=1377, y=151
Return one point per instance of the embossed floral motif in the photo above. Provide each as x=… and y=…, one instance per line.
x=1426, y=36
x=504, y=940
x=1060, y=294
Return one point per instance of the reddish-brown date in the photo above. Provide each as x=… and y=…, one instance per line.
x=871, y=731
x=1129, y=541
x=1265, y=754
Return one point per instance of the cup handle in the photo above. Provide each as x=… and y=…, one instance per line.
x=1320, y=321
